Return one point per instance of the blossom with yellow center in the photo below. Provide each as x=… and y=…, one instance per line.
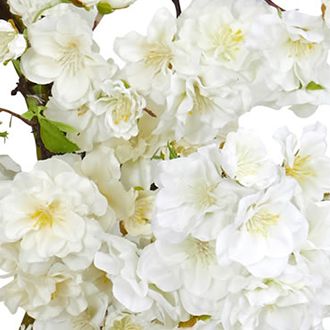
x=117, y=109
x=261, y=222
x=228, y=42
x=139, y=223
x=125, y=324
x=51, y=215
x=300, y=48
x=45, y=216
x=301, y=169
x=158, y=56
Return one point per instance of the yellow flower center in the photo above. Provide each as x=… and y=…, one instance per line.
x=126, y=324
x=45, y=216
x=201, y=251
x=6, y=38
x=301, y=169
x=201, y=195
x=261, y=222
x=228, y=42
x=202, y=103
x=300, y=48
x=143, y=210
x=72, y=58
x=120, y=107
x=159, y=56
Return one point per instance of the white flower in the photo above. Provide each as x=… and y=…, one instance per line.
x=149, y=59
x=115, y=4
x=294, y=47
x=62, y=51
x=51, y=291
x=138, y=222
x=319, y=226
x=29, y=10
x=118, y=4
x=244, y=158
x=191, y=267
x=220, y=37
x=221, y=31
x=33, y=10
x=166, y=313
x=12, y=44
x=90, y=319
x=123, y=320
x=272, y=303
x=120, y=109
x=195, y=110
x=113, y=113
x=120, y=262
x=52, y=212
x=138, y=174
x=8, y=168
x=132, y=207
x=267, y=229
x=193, y=198
x=306, y=160
x=101, y=172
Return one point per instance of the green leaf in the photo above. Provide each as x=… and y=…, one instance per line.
x=28, y=115
x=54, y=139
x=63, y=127
x=104, y=8
x=313, y=86
x=4, y=135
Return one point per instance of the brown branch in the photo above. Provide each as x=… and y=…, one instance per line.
x=177, y=7
x=42, y=151
x=26, y=121
x=273, y=4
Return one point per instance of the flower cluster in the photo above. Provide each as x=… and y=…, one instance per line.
x=150, y=207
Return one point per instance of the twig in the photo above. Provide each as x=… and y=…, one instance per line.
x=26, y=121
x=42, y=151
x=273, y=4
x=150, y=113
x=177, y=7
x=97, y=21
x=27, y=320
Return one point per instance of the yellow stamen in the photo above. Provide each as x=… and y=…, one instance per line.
x=261, y=221
x=301, y=168
x=45, y=216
